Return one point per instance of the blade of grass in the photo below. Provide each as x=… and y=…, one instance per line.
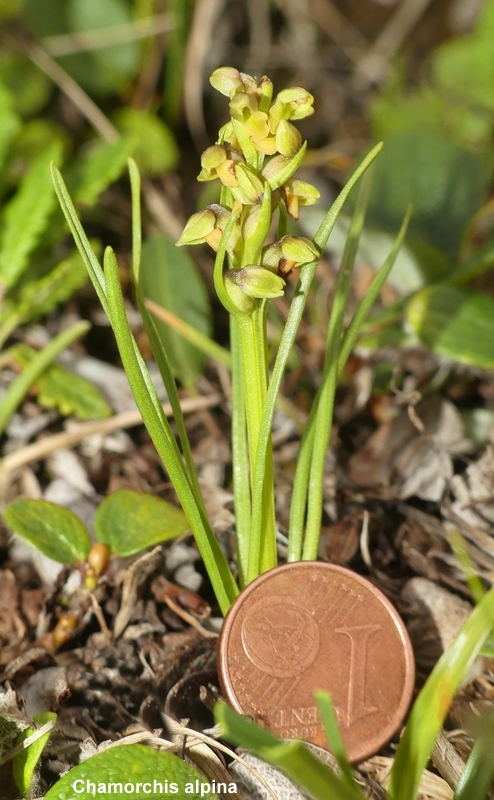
x=209, y=347
x=432, y=704
x=371, y=295
x=292, y=757
x=159, y=350
x=476, y=778
x=335, y=741
x=92, y=264
x=323, y=418
x=297, y=306
x=21, y=385
x=215, y=562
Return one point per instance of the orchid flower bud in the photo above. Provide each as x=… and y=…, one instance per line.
x=257, y=282
x=288, y=139
x=249, y=189
x=240, y=300
x=197, y=228
x=226, y=80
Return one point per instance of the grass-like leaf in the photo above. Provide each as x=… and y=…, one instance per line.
x=431, y=706
x=297, y=306
x=158, y=427
x=292, y=757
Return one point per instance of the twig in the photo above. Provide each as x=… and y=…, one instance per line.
x=78, y=96
x=29, y=740
x=192, y=621
x=126, y=419
x=374, y=65
x=66, y=44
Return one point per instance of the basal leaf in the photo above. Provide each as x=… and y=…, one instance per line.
x=26, y=216
x=170, y=278
x=129, y=521
x=454, y=322
x=24, y=763
x=133, y=771
x=432, y=704
x=62, y=389
x=52, y=529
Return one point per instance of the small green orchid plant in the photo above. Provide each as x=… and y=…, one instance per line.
x=255, y=159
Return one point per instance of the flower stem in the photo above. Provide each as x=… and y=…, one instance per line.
x=262, y=546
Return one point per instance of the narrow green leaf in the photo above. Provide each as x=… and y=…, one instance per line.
x=62, y=389
x=476, y=778
x=82, y=242
x=454, y=322
x=205, y=344
x=292, y=757
x=26, y=217
x=21, y=385
x=135, y=771
x=24, y=763
x=371, y=296
x=221, y=577
x=297, y=306
x=169, y=278
x=432, y=704
x=129, y=521
x=52, y=529
x=333, y=735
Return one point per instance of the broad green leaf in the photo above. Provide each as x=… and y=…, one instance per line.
x=292, y=757
x=100, y=167
x=9, y=123
x=454, y=322
x=52, y=529
x=444, y=183
x=170, y=278
x=133, y=771
x=431, y=706
x=24, y=763
x=26, y=217
x=129, y=521
x=156, y=150
x=62, y=389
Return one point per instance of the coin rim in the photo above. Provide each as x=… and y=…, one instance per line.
x=367, y=749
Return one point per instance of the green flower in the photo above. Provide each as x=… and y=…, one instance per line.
x=257, y=282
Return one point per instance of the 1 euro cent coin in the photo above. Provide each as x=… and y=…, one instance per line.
x=307, y=626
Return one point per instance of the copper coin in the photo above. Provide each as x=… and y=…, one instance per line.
x=308, y=626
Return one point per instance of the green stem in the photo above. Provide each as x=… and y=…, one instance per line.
x=240, y=455
x=262, y=547
x=20, y=387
